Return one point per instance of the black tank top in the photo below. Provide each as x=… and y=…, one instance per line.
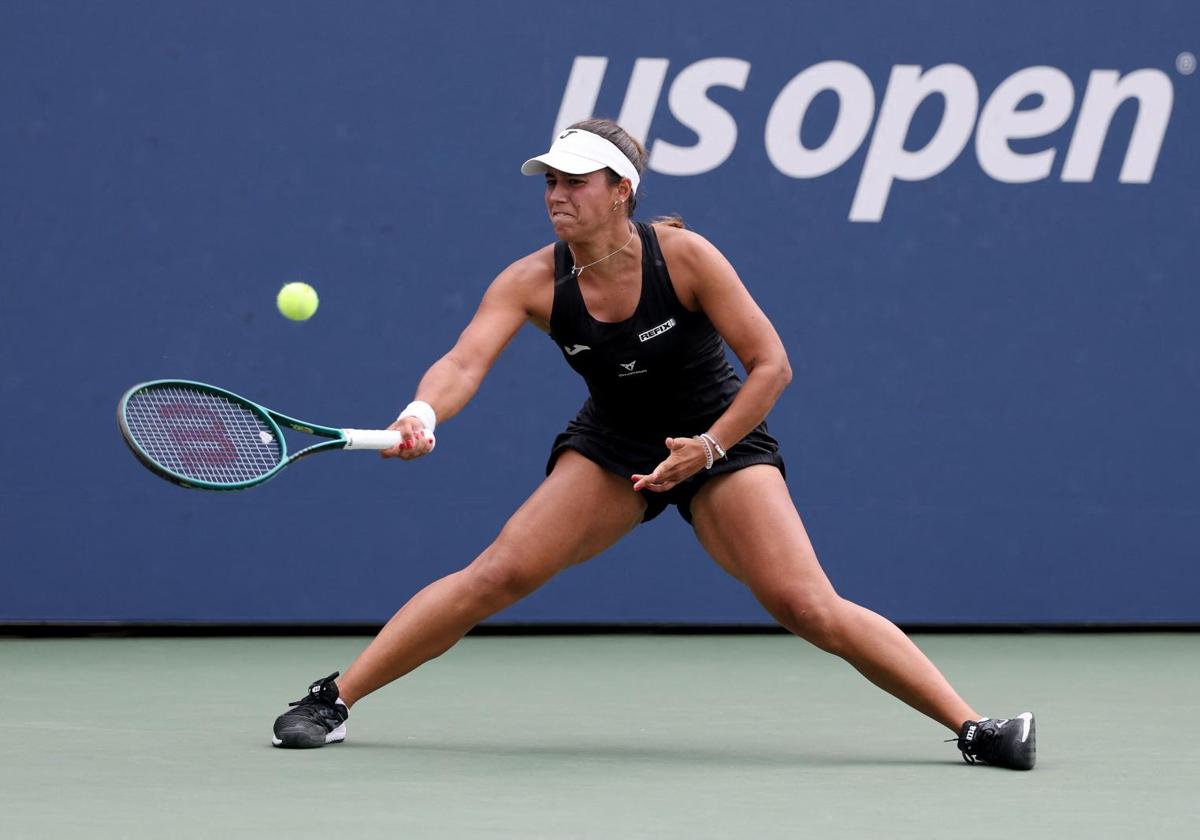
x=662, y=371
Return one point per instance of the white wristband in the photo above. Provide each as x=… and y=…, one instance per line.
x=423, y=411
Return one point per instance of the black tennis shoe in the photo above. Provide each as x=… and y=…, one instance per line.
x=1008, y=743
x=314, y=721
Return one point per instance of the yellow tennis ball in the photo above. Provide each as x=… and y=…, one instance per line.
x=297, y=301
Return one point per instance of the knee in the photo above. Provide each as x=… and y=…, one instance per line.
x=496, y=580
x=814, y=619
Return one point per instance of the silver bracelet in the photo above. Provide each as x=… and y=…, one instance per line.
x=720, y=453
x=708, y=453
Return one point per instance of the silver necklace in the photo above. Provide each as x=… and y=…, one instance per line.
x=576, y=271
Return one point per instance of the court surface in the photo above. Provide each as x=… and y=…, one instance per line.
x=606, y=736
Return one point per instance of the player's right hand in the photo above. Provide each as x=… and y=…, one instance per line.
x=414, y=443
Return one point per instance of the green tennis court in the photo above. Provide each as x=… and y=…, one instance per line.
x=605, y=736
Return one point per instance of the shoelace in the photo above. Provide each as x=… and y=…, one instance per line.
x=314, y=693
x=969, y=752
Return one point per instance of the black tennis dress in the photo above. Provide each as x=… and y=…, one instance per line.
x=660, y=373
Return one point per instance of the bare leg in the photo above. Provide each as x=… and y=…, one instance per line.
x=747, y=522
x=546, y=535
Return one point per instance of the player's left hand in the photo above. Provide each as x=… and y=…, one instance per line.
x=686, y=458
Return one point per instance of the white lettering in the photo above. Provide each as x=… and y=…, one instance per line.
x=716, y=129
x=583, y=87
x=856, y=107
x=656, y=331
x=887, y=159
x=1000, y=121
x=1105, y=92
x=641, y=97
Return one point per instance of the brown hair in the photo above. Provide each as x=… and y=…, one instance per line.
x=670, y=220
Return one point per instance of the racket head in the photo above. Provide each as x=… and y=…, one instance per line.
x=201, y=436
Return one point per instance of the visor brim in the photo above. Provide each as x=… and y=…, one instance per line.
x=567, y=162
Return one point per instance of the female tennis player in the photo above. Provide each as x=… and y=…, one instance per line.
x=643, y=312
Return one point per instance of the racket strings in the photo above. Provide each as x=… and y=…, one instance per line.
x=202, y=435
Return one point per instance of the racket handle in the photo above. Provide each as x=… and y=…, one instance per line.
x=371, y=438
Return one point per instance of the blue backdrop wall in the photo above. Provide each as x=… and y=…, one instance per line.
x=975, y=226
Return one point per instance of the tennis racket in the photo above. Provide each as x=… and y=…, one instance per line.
x=203, y=437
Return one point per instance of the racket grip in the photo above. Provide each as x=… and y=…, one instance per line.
x=371, y=438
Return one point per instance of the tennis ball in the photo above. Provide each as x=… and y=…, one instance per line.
x=297, y=301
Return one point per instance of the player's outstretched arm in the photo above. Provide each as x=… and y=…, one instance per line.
x=450, y=383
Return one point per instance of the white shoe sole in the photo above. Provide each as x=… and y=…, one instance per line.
x=335, y=737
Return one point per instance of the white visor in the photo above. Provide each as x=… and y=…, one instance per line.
x=577, y=151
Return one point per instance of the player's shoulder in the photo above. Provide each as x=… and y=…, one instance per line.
x=532, y=268
x=527, y=273
x=683, y=247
